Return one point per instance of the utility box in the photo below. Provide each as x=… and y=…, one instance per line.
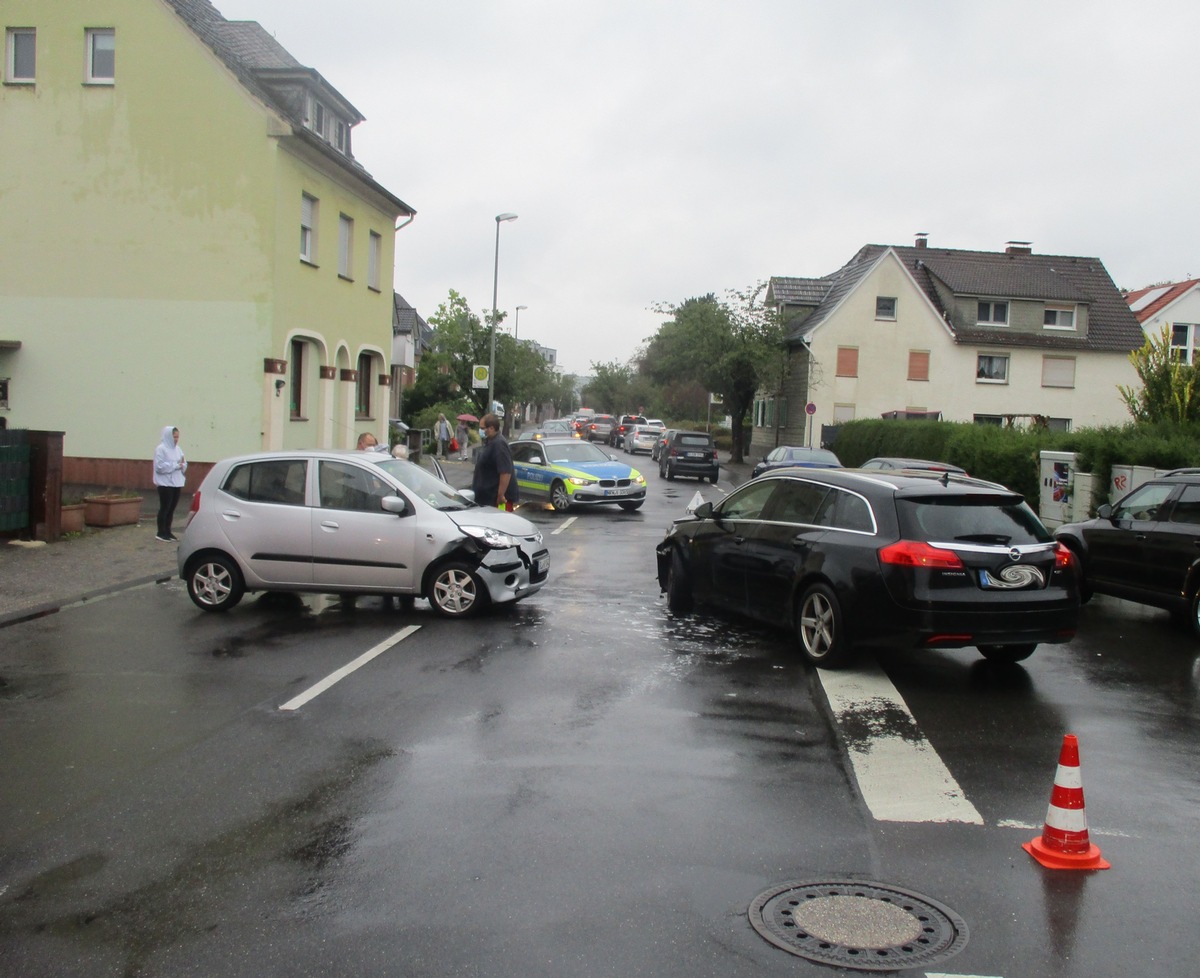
x=1057, y=472
x=1126, y=478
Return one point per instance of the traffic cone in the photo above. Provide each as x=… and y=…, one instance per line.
x=1064, y=842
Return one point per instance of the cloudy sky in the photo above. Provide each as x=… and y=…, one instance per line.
x=656, y=150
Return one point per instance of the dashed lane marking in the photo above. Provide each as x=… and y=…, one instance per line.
x=335, y=677
x=565, y=523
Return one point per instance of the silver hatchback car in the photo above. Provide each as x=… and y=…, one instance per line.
x=352, y=523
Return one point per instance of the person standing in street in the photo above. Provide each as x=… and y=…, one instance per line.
x=494, y=483
x=462, y=435
x=441, y=434
x=170, y=468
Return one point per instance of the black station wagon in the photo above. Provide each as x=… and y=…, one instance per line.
x=850, y=557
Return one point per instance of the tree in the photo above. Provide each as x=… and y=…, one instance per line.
x=609, y=390
x=1169, y=386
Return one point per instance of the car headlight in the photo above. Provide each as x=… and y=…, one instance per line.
x=493, y=539
x=581, y=482
x=640, y=480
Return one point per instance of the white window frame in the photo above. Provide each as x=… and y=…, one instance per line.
x=1057, y=311
x=881, y=312
x=318, y=118
x=345, y=247
x=308, y=228
x=991, y=319
x=1187, y=349
x=374, y=259
x=341, y=136
x=1004, y=357
x=92, y=35
x=1055, y=369
x=10, y=55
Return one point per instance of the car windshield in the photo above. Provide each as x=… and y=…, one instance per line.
x=970, y=519
x=425, y=485
x=574, y=452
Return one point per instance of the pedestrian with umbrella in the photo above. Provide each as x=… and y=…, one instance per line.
x=461, y=434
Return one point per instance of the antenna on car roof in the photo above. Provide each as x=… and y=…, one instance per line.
x=945, y=479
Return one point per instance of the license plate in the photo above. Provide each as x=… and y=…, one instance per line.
x=541, y=565
x=615, y=492
x=695, y=455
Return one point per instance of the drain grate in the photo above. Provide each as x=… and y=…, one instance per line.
x=855, y=924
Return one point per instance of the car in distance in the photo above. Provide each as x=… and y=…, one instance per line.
x=1145, y=547
x=565, y=472
x=788, y=456
x=641, y=438
x=616, y=437
x=599, y=428
x=690, y=453
x=845, y=558
x=663, y=437
x=924, y=464
x=549, y=429
x=352, y=523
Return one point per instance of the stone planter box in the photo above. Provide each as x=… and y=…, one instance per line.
x=72, y=518
x=111, y=510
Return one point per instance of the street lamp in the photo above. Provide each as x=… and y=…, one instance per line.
x=495, y=285
x=517, y=323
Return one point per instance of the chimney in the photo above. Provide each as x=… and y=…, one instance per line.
x=922, y=239
x=1018, y=248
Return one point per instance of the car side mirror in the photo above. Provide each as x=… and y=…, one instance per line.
x=1105, y=512
x=394, y=504
x=704, y=511
x=613, y=457
x=536, y=460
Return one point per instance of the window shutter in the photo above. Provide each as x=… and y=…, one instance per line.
x=847, y=361
x=918, y=364
x=1058, y=371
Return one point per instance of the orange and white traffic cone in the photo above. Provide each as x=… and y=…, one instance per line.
x=1064, y=842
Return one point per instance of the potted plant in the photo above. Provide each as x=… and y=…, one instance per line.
x=71, y=517
x=112, y=508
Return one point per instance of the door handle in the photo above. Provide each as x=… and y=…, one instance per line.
x=739, y=540
x=328, y=525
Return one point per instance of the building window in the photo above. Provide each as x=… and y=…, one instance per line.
x=374, y=257
x=992, y=314
x=308, y=228
x=1183, y=341
x=1058, y=371
x=843, y=413
x=1059, y=317
x=885, y=307
x=918, y=364
x=995, y=420
x=341, y=135
x=4, y=393
x=992, y=368
x=101, y=56
x=362, y=387
x=20, y=55
x=1058, y=424
x=318, y=121
x=847, y=361
x=345, y=246
x=297, y=371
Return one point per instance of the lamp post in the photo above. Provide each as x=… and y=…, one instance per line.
x=517, y=323
x=495, y=285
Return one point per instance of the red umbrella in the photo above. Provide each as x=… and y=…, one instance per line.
x=467, y=417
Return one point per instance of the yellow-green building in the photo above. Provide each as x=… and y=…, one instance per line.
x=186, y=239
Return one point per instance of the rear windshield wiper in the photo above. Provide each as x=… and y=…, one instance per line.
x=985, y=538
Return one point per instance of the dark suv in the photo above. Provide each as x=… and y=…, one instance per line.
x=1146, y=546
x=617, y=437
x=689, y=453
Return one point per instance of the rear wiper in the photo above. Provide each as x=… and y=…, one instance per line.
x=984, y=538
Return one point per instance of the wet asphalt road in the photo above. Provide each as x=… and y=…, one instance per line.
x=580, y=785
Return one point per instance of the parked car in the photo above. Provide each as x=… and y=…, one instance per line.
x=565, y=473
x=923, y=464
x=663, y=438
x=559, y=428
x=599, y=428
x=656, y=423
x=1145, y=547
x=843, y=558
x=353, y=523
x=788, y=456
x=691, y=453
x=641, y=438
x=617, y=437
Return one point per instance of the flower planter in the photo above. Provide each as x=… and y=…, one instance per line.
x=72, y=518
x=111, y=510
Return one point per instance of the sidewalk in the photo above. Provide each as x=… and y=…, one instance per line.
x=41, y=578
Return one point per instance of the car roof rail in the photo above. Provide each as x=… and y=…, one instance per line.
x=1185, y=471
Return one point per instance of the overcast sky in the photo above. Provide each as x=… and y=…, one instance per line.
x=657, y=150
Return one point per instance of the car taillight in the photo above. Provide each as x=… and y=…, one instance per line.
x=195, y=507
x=915, y=553
x=1063, y=558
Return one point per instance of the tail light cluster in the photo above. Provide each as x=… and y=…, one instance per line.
x=916, y=553
x=195, y=507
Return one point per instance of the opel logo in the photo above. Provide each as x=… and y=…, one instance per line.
x=1014, y=554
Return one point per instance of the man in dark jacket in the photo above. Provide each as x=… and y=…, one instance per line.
x=493, y=482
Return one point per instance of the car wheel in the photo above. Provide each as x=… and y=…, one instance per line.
x=631, y=506
x=560, y=499
x=455, y=591
x=1007, y=653
x=670, y=472
x=819, y=628
x=215, y=583
x=679, y=587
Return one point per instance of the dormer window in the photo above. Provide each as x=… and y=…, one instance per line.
x=992, y=314
x=1059, y=317
x=318, y=122
x=340, y=132
x=326, y=123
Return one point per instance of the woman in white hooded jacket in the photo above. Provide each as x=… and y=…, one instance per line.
x=169, y=469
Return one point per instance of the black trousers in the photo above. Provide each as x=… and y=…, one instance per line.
x=168, y=499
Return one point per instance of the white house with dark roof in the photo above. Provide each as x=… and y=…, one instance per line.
x=1175, y=305
x=916, y=331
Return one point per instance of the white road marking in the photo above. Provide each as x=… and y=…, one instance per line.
x=565, y=523
x=335, y=677
x=940, y=974
x=900, y=775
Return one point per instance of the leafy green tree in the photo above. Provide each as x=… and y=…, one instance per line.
x=1169, y=386
x=609, y=389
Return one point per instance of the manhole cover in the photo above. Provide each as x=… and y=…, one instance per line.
x=855, y=924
